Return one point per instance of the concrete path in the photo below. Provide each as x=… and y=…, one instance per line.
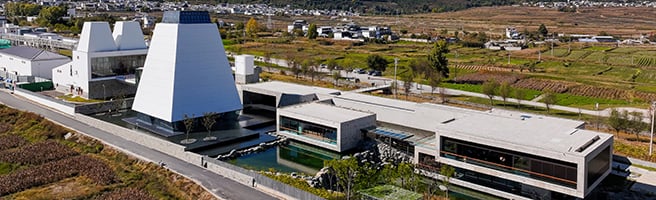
x=219, y=186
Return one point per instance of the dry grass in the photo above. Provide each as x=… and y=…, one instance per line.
x=617, y=21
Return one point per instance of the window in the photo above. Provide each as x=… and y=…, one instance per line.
x=532, y=166
x=114, y=66
x=598, y=166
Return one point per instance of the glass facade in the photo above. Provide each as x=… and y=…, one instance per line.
x=536, y=167
x=598, y=166
x=308, y=129
x=116, y=66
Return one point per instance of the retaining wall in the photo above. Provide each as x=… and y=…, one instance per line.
x=227, y=170
x=60, y=106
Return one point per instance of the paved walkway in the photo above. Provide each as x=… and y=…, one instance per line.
x=219, y=186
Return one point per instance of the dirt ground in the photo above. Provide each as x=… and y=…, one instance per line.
x=625, y=22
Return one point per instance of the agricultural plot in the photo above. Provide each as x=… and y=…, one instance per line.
x=544, y=85
x=36, y=162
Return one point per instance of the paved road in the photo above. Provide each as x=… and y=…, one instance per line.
x=216, y=184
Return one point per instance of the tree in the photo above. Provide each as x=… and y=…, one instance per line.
x=376, y=62
x=519, y=95
x=542, y=30
x=447, y=172
x=437, y=58
x=312, y=32
x=407, y=79
x=489, y=88
x=209, y=119
x=188, y=124
x=336, y=76
x=331, y=64
x=549, y=98
x=618, y=120
x=252, y=27
x=293, y=64
x=504, y=91
x=51, y=15
x=346, y=171
x=635, y=124
x=406, y=172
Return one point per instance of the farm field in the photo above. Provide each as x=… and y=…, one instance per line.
x=42, y=160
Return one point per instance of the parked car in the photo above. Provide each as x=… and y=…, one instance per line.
x=359, y=71
x=375, y=73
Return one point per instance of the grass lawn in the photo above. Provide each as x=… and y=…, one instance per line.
x=391, y=192
x=71, y=98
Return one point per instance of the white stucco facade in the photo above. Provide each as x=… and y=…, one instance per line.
x=98, y=43
x=40, y=65
x=186, y=73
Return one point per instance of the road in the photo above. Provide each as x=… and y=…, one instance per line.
x=216, y=184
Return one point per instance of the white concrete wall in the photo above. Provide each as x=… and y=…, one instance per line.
x=43, y=68
x=60, y=106
x=349, y=134
x=15, y=64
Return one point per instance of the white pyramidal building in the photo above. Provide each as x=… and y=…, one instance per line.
x=103, y=61
x=186, y=73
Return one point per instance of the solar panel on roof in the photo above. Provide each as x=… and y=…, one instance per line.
x=391, y=133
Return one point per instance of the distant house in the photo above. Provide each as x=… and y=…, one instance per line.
x=27, y=61
x=606, y=39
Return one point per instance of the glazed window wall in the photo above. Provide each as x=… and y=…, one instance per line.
x=598, y=166
x=115, y=66
x=308, y=129
x=536, y=167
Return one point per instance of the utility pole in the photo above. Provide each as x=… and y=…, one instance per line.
x=455, y=69
x=651, y=135
x=396, y=63
x=508, y=57
x=552, y=50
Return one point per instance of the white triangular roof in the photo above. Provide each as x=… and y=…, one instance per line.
x=127, y=35
x=186, y=72
x=102, y=38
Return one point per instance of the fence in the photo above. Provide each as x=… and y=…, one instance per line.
x=263, y=181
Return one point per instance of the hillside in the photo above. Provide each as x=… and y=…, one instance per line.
x=391, y=7
x=381, y=6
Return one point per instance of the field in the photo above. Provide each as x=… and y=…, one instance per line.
x=37, y=161
x=592, y=72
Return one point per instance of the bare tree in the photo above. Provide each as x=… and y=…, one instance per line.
x=189, y=124
x=209, y=119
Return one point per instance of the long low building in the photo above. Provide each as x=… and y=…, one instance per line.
x=504, y=153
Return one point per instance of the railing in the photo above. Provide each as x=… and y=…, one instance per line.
x=544, y=177
x=310, y=134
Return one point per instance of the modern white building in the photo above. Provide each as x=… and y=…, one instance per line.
x=275, y=94
x=21, y=61
x=104, y=63
x=324, y=125
x=186, y=73
x=504, y=153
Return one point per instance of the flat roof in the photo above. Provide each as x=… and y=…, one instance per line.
x=502, y=126
x=423, y=116
x=325, y=112
x=289, y=88
x=526, y=130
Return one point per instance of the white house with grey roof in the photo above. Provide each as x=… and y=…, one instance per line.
x=21, y=61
